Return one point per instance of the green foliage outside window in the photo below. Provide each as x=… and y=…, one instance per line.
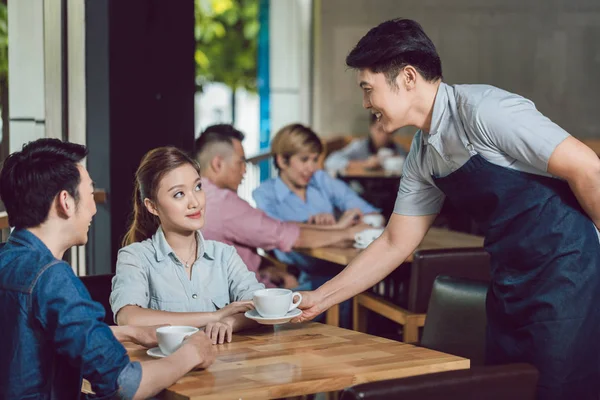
x=226, y=42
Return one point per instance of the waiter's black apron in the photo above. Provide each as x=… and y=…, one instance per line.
x=543, y=304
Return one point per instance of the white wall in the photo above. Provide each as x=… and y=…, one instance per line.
x=26, y=72
x=290, y=62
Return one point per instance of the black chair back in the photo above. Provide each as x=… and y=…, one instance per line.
x=456, y=318
x=511, y=381
x=469, y=263
x=100, y=287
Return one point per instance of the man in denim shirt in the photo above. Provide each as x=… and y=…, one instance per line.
x=51, y=330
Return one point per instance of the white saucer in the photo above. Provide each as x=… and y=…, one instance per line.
x=253, y=314
x=360, y=246
x=155, y=352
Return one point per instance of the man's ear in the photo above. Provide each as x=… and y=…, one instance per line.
x=408, y=77
x=65, y=204
x=150, y=206
x=216, y=163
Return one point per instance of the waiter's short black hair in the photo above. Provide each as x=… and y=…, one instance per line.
x=394, y=44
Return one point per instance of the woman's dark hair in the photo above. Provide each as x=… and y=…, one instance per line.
x=154, y=165
x=31, y=179
x=393, y=45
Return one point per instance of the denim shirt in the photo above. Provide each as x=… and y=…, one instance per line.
x=150, y=275
x=52, y=332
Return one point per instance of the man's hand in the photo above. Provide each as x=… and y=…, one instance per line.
x=349, y=218
x=220, y=331
x=311, y=306
x=201, y=346
x=234, y=308
x=145, y=335
x=322, y=219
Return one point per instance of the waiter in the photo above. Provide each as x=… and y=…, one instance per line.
x=533, y=188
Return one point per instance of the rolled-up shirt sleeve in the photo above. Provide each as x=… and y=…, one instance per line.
x=130, y=284
x=129, y=380
x=254, y=228
x=242, y=282
x=416, y=195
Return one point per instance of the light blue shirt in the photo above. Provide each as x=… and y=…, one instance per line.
x=150, y=275
x=324, y=194
x=504, y=128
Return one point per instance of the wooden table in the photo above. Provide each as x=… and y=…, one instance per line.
x=436, y=238
x=297, y=359
x=358, y=173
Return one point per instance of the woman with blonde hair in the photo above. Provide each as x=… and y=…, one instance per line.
x=167, y=272
x=304, y=193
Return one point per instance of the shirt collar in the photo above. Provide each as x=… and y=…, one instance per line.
x=26, y=238
x=281, y=189
x=163, y=249
x=440, y=114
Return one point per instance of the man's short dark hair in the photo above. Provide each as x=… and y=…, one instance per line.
x=393, y=45
x=221, y=133
x=31, y=179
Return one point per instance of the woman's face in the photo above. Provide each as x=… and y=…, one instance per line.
x=379, y=136
x=299, y=169
x=180, y=201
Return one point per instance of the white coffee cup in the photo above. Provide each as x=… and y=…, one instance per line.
x=393, y=164
x=275, y=303
x=170, y=338
x=375, y=220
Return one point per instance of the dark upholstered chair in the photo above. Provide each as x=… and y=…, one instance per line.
x=502, y=382
x=456, y=318
x=100, y=287
x=471, y=263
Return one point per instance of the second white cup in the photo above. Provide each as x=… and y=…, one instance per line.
x=170, y=338
x=275, y=303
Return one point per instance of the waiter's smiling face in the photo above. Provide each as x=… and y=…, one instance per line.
x=391, y=102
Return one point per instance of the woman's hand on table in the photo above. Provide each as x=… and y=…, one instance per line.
x=220, y=331
x=145, y=335
x=322, y=219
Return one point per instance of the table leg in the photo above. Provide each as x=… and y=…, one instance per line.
x=359, y=316
x=332, y=317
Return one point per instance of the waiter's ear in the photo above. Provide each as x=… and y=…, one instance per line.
x=408, y=77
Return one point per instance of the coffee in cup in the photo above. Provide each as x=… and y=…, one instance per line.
x=170, y=338
x=275, y=303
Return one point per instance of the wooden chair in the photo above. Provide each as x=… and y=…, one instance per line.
x=410, y=310
x=511, y=381
x=100, y=287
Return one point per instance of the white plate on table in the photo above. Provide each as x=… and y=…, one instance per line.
x=254, y=315
x=155, y=352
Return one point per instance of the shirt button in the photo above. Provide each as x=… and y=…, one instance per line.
x=447, y=158
x=194, y=296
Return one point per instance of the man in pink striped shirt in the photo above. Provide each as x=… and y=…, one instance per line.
x=234, y=221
